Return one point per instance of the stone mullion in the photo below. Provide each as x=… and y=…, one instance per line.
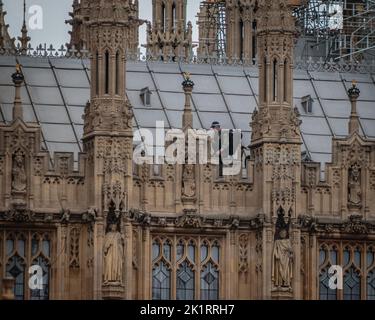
x=174, y=267
x=128, y=257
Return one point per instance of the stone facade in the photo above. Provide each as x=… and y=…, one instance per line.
x=113, y=229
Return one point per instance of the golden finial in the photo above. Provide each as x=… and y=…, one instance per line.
x=354, y=83
x=187, y=76
x=18, y=68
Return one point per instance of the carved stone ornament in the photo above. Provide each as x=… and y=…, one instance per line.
x=356, y=225
x=20, y=215
x=190, y=219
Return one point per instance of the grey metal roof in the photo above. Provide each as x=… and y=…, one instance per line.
x=57, y=89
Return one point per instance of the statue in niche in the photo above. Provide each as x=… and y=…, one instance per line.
x=113, y=256
x=19, y=178
x=282, y=260
x=355, y=192
x=188, y=181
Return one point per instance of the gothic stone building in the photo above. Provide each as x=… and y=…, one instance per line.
x=100, y=226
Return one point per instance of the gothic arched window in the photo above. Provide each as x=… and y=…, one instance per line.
x=161, y=273
x=327, y=258
x=192, y=268
x=23, y=250
x=275, y=74
x=117, y=89
x=106, y=72
x=96, y=66
x=370, y=281
x=286, y=80
x=358, y=270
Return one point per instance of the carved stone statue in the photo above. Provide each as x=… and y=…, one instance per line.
x=113, y=256
x=355, y=190
x=282, y=260
x=188, y=182
x=19, y=178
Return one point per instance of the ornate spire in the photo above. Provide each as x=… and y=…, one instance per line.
x=169, y=38
x=188, y=85
x=276, y=119
x=24, y=39
x=354, y=93
x=18, y=79
x=6, y=42
x=79, y=16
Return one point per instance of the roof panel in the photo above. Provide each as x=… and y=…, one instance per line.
x=136, y=101
x=76, y=96
x=209, y=117
x=69, y=63
x=7, y=95
x=340, y=127
x=58, y=133
x=6, y=74
x=331, y=89
x=228, y=70
x=315, y=125
x=63, y=147
x=336, y=108
x=52, y=114
x=169, y=82
x=76, y=113
x=241, y=121
x=166, y=67
x=318, y=143
x=242, y=104
x=72, y=78
x=366, y=109
x=368, y=127
x=39, y=77
x=46, y=95
x=209, y=102
x=147, y=118
x=234, y=85
x=175, y=118
x=173, y=100
x=303, y=88
x=139, y=80
x=196, y=69
x=205, y=84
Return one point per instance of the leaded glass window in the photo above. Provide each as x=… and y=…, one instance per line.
x=358, y=266
x=20, y=251
x=185, y=268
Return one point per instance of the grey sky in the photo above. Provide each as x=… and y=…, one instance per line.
x=55, y=12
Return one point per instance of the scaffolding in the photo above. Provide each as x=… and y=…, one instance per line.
x=214, y=26
x=345, y=29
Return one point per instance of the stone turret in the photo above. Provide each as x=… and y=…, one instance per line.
x=108, y=136
x=276, y=147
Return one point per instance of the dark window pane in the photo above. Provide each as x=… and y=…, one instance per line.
x=209, y=283
x=15, y=269
x=352, y=285
x=185, y=282
x=161, y=279
x=42, y=294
